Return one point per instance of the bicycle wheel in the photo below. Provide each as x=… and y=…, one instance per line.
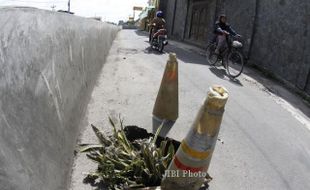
x=212, y=58
x=161, y=45
x=234, y=64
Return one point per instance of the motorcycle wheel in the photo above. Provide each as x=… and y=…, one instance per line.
x=161, y=45
x=152, y=44
x=150, y=35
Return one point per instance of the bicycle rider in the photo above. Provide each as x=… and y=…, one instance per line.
x=222, y=30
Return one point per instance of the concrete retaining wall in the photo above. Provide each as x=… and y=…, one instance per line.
x=281, y=42
x=49, y=62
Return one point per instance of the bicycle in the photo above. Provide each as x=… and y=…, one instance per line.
x=231, y=56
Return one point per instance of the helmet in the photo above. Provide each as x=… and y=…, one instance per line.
x=159, y=14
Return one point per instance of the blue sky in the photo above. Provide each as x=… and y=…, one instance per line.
x=109, y=10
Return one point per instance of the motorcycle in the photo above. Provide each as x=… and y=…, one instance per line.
x=158, y=39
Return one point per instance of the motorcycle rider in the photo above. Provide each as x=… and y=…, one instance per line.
x=157, y=23
x=222, y=30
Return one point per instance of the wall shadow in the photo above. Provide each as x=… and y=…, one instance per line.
x=280, y=88
x=269, y=82
x=149, y=50
x=221, y=73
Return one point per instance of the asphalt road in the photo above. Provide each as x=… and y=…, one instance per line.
x=264, y=139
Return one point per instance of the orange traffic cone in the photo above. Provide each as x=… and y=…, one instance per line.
x=189, y=167
x=167, y=102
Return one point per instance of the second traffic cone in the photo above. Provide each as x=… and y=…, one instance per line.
x=189, y=167
x=167, y=102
